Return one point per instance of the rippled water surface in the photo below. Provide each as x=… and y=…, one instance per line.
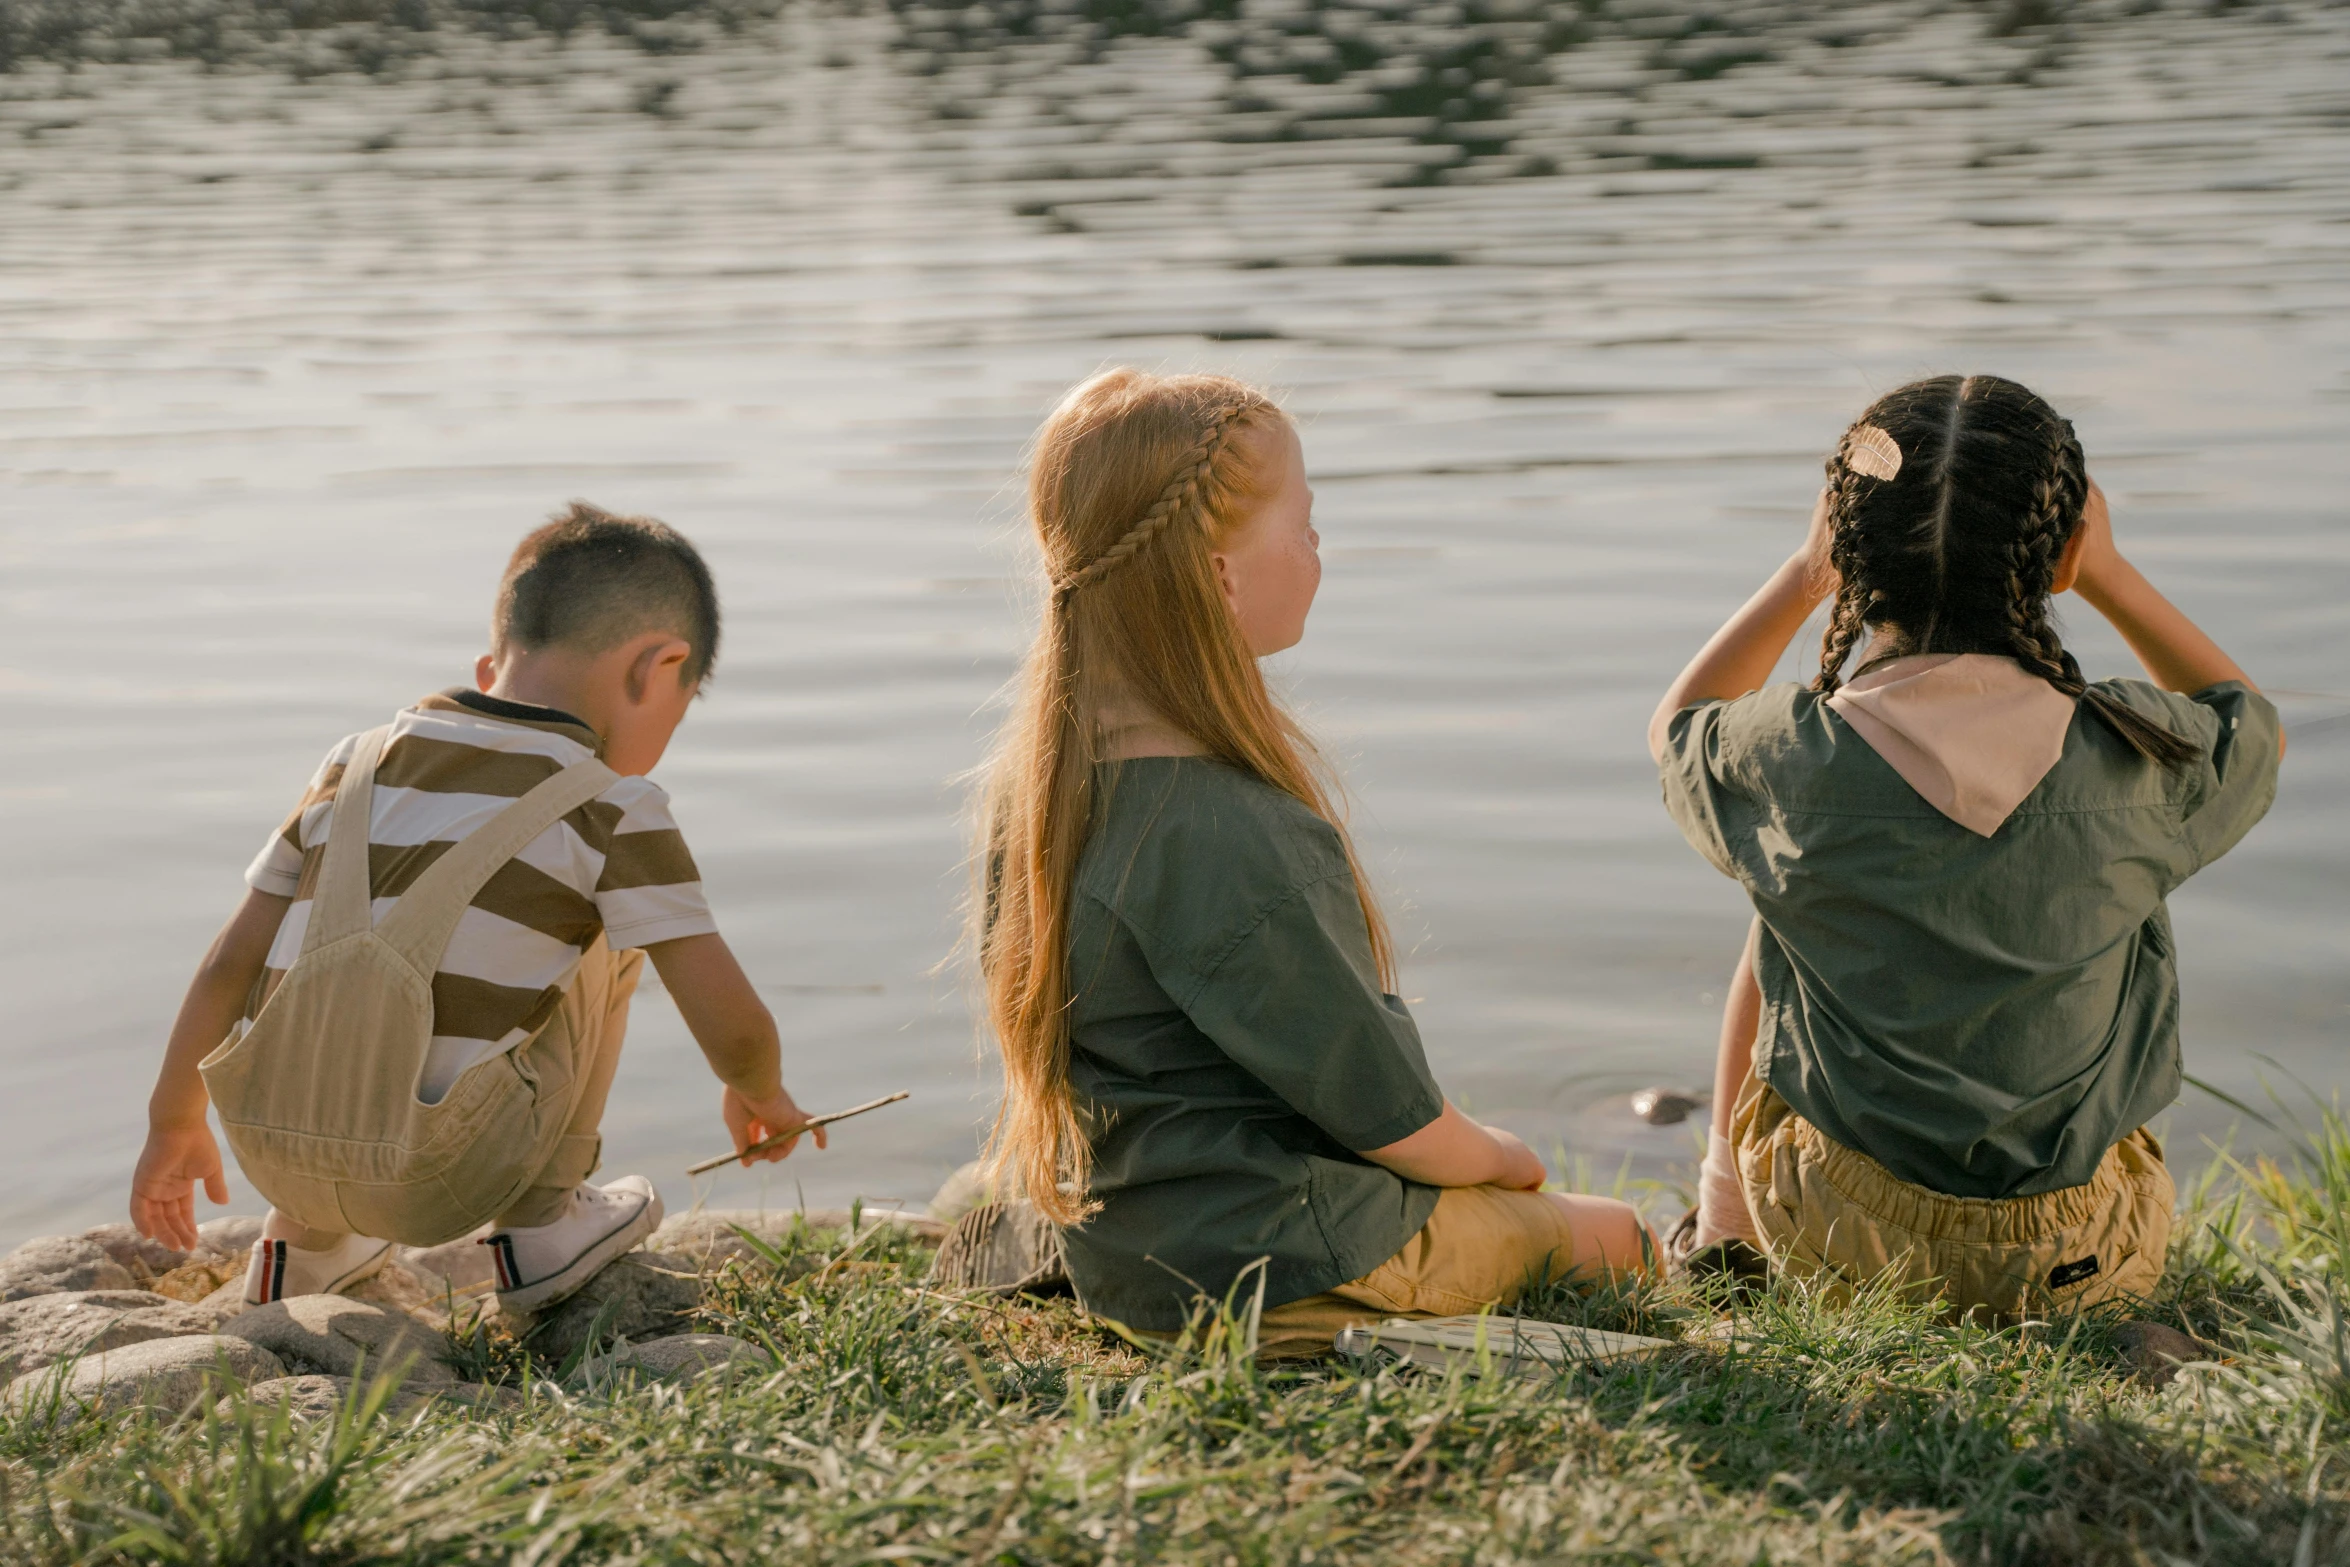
x=1569, y=312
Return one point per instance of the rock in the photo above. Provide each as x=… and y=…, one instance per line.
x=145, y=1260
x=317, y=1397
x=200, y=1278
x=398, y=1287
x=230, y=1237
x=1664, y=1106
x=642, y=1295
x=162, y=1373
x=685, y=1357
x=41, y=1330
x=711, y=1239
x=464, y=1262
x=330, y=1333
x=310, y=1397
x=1005, y=1247
x=2154, y=1353
x=966, y=1189
x=56, y=1264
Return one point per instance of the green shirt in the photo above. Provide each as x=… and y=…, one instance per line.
x=1231, y=1051
x=1982, y=1016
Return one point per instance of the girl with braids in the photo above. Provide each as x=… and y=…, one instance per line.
x=1958, y=1005
x=1206, y=1067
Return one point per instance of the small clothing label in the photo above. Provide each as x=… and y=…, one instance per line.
x=2065, y=1274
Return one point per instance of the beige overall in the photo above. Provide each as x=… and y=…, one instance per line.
x=318, y=1094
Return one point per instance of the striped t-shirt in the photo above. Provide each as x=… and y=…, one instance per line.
x=616, y=865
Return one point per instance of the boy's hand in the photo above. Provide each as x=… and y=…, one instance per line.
x=755, y=1120
x=1522, y=1171
x=163, y=1200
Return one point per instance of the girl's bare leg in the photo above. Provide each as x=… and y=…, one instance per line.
x=1721, y=1199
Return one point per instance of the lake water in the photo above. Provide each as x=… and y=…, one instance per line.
x=1569, y=321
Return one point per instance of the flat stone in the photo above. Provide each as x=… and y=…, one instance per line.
x=41, y=1330
x=643, y=1295
x=330, y=1334
x=163, y=1373
x=685, y=1357
x=57, y=1264
x=2154, y=1353
x=712, y=1238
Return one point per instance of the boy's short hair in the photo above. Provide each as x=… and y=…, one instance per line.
x=591, y=580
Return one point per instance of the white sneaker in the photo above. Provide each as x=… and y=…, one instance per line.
x=541, y=1264
x=281, y=1268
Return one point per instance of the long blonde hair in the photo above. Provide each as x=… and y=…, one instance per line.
x=1137, y=478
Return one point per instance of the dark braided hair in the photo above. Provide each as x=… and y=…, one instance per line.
x=1958, y=551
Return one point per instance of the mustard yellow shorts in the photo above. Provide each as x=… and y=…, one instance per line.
x=1483, y=1246
x=1828, y=1211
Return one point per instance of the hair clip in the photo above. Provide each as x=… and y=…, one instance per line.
x=1871, y=451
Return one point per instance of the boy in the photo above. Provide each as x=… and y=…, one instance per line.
x=371, y=1112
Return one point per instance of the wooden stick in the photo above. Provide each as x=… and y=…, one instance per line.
x=764, y=1144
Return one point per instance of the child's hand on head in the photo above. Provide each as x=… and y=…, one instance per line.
x=163, y=1198
x=752, y=1121
x=2098, y=554
x=1819, y=578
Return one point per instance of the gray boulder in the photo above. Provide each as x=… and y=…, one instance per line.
x=55, y=1264
x=162, y=1373
x=686, y=1357
x=330, y=1334
x=41, y=1330
x=643, y=1295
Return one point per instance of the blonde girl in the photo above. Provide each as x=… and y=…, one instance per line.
x=1191, y=986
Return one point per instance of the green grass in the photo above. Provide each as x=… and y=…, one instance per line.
x=905, y=1424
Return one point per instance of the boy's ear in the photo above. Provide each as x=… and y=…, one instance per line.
x=663, y=660
x=485, y=672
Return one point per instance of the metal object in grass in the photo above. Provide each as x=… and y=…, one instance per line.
x=1507, y=1345
x=809, y=1124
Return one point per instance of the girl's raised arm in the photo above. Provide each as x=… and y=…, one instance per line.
x=2176, y=653
x=1741, y=656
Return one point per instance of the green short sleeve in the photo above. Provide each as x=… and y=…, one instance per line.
x=1295, y=1001
x=2238, y=770
x=1699, y=795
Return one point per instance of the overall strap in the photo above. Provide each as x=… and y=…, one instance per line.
x=420, y=924
x=343, y=902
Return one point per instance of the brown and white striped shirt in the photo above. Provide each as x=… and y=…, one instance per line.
x=616, y=865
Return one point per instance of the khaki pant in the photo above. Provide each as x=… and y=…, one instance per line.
x=1483, y=1246
x=1826, y=1211
x=556, y=1084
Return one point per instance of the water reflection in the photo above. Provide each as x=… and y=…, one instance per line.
x=1569, y=298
